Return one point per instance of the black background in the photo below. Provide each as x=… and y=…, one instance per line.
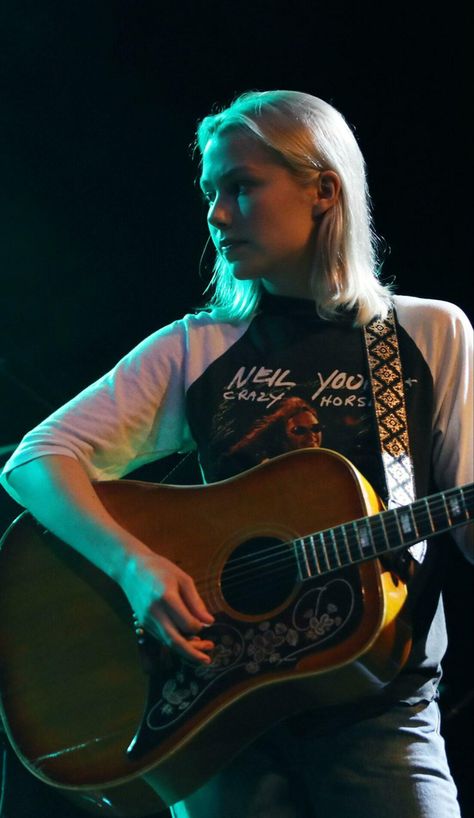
x=101, y=225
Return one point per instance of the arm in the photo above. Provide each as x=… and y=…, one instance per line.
x=444, y=336
x=453, y=454
x=58, y=492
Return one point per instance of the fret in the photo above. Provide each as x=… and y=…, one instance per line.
x=315, y=554
x=306, y=555
x=394, y=533
x=439, y=513
x=313, y=557
x=335, y=547
x=340, y=534
x=448, y=515
x=422, y=519
x=428, y=512
x=301, y=558
x=408, y=527
x=379, y=536
x=330, y=550
x=365, y=538
x=322, y=554
x=354, y=543
x=467, y=496
x=457, y=506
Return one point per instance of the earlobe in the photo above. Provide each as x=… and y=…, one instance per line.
x=327, y=192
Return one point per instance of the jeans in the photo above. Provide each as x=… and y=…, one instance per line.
x=392, y=765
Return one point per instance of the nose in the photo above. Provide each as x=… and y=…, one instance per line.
x=219, y=214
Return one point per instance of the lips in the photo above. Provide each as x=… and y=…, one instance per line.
x=230, y=244
x=227, y=243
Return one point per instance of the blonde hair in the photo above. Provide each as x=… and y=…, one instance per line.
x=309, y=135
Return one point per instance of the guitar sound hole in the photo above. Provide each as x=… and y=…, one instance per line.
x=259, y=576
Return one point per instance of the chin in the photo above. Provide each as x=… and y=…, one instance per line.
x=244, y=274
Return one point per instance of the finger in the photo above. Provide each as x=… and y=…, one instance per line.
x=176, y=608
x=193, y=648
x=194, y=602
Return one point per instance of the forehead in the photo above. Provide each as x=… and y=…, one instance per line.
x=233, y=150
x=304, y=413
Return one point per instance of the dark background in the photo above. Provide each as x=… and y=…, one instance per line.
x=102, y=228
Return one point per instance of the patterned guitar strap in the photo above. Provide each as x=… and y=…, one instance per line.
x=388, y=395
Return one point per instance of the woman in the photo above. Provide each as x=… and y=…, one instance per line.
x=295, y=284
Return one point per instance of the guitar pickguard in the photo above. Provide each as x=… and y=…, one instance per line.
x=322, y=615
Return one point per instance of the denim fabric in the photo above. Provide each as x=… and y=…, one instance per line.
x=392, y=765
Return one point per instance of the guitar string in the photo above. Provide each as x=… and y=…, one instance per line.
x=278, y=557
x=268, y=575
x=389, y=517
x=241, y=568
x=263, y=579
x=255, y=579
x=249, y=564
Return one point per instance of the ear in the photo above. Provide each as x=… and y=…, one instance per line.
x=328, y=190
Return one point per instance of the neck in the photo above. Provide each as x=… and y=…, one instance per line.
x=289, y=288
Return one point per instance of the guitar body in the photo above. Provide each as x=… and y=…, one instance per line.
x=128, y=730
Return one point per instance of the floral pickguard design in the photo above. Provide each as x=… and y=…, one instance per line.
x=317, y=616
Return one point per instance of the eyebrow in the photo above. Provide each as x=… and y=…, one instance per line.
x=238, y=169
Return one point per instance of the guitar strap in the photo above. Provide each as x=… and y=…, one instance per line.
x=388, y=395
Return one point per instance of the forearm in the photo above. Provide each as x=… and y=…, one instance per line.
x=60, y=495
x=58, y=492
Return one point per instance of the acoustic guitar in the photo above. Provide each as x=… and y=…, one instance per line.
x=291, y=559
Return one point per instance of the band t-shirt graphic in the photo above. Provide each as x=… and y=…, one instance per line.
x=277, y=390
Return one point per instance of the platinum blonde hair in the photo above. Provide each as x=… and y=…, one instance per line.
x=308, y=135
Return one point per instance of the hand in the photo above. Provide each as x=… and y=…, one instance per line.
x=165, y=601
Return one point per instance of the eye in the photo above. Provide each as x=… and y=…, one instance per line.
x=207, y=197
x=242, y=187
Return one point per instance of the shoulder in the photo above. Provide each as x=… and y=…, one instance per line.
x=209, y=319
x=187, y=346
x=205, y=327
x=441, y=332
x=429, y=316
x=178, y=333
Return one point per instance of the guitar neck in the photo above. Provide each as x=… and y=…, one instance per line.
x=389, y=531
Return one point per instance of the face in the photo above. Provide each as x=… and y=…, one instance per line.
x=260, y=216
x=304, y=431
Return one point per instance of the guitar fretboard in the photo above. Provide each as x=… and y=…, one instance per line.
x=391, y=530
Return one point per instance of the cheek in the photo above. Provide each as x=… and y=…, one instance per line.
x=213, y=236
x=289, y=226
